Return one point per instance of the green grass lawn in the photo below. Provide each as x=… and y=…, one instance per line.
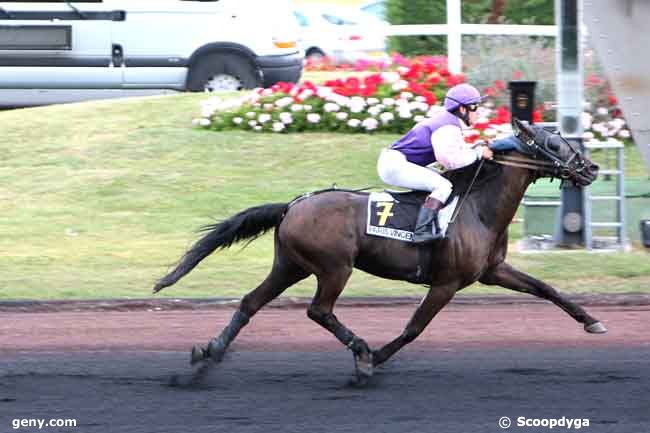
x=98, y=199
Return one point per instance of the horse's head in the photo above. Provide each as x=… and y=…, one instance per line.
x=556, y=156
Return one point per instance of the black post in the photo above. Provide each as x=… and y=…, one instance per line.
x=522, y=99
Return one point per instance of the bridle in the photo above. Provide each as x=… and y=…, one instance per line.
x=543, y=158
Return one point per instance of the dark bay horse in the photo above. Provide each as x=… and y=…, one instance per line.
x=324, y=234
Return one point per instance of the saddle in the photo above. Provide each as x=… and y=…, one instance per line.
x=393, y=214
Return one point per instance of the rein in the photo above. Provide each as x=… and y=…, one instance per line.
x=462, y=201
x=531, y=164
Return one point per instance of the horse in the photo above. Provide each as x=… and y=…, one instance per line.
x=323, y=234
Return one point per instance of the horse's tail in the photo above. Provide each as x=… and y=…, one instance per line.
x=250, y=223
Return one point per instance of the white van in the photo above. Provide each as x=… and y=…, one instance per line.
x=191, y=45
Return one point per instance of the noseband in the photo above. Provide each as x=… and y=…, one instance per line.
x=542, y=158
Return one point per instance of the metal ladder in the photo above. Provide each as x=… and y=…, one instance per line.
x=619, y=198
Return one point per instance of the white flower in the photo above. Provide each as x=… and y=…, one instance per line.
x=196, y=122
x=624, y=133
x=354, y=123
x=278, y=126
x=404, y=113
x=252, y=123
x=602, y=111
x=402, y=69
x=269, y=107
x=372, y=101
x=586, y=120
x=264, y=117
x=419, y=118
x=341, y=115
x=356, y=106
x=313, y=118
x=418, y=106
x=400, y=85
x=370, y=123
x=258, y=128
x=420, y=99
x=406, y=95
x=390, y=77
x=267, y=92
x=237, y=120
x=389, y=102
x=588, y=135
x=490, y=132
x=331, y=107
x=305, y=94
x=617, y=123
x=284, y=102
x=307, y=107
x=204, y=122
x=324, y=92
x=286, y=118
x=250, y=114
x=599, y=128
x=386, y=117
x=374, y=110
x=296, y=107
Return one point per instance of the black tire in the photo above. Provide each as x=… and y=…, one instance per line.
x=227, y=64
x=315, y=53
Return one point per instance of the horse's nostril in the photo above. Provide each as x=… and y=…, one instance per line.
x=594, y=167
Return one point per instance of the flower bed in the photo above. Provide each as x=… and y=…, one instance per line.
x=390, y=101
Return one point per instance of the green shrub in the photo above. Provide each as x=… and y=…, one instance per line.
x=417, y=12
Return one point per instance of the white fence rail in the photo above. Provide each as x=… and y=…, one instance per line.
x=455, y=29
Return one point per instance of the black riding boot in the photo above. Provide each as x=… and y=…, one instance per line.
x=427, y=220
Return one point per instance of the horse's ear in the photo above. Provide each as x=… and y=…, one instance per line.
x=521, y=128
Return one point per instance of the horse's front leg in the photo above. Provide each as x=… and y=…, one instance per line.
x=431, y=304
x=506, y=276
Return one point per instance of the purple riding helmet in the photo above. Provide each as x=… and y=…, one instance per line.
x=462, y=94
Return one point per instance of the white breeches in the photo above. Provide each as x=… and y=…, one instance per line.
x=395, y=170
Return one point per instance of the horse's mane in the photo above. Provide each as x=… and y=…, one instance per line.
x=461, y=178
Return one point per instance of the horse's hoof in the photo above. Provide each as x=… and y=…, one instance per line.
x=198, y=355
x=596, y=328
x=363, y=365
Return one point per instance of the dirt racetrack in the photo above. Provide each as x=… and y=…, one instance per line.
x=118, y=371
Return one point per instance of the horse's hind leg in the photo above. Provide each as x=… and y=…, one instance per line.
x=330, y=286
x=283, y=275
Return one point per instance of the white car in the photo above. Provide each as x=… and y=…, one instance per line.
x=343, y=35
x=126, y=44
x=375, y=7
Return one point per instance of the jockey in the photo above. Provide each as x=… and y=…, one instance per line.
x=438, y=138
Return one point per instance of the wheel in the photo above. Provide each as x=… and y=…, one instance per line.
x=315, y=54
x=223, y=73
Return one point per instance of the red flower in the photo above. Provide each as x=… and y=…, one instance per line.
x=537, y=116
x=368, y=91
x=499, y=85
x=611, y=99
x=490, y=91
x=517, y=75
x=503, y=115
x=431, y=98
x=594, y=80
x=352, y=83
x=433, y=80
x=373, y=80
